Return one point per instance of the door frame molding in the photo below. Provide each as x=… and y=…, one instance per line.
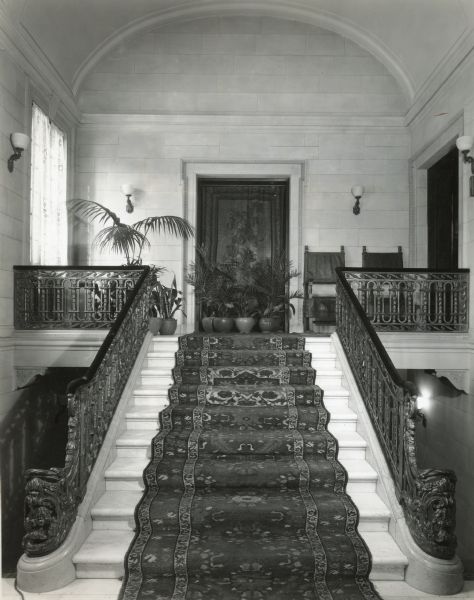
x=294, y=171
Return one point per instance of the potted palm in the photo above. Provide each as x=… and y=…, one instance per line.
x=129, y=240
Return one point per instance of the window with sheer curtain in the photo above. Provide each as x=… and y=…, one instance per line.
x=48, y=214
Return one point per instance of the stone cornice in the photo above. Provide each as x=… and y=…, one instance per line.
x=318, y=122
x=455, y=62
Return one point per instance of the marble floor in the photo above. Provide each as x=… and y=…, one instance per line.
x=107, y=589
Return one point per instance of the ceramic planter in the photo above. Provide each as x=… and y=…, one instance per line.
x=267, y=324
x=245, y=324
x=207, y=324
x=223, y=324
x=154, y=325
x=168, y=327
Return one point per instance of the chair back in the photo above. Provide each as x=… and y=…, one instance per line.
x=382, y=260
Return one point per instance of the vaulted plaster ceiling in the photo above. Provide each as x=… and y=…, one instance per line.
x=414, y=38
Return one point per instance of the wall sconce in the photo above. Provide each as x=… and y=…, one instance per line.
x=464, y=145
x=19, y=142
x=357, y=191
x=128, y=190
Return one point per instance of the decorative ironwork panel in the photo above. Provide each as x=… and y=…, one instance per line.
x=53, y=495
x=68, y=297
x=427, y=496
x=413, y=300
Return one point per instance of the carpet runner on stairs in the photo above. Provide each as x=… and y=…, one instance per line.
x=244, y=497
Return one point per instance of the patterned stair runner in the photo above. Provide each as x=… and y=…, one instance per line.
x=244, y=497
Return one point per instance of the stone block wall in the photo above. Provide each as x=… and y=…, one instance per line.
x=234, y=89
x=13, y=207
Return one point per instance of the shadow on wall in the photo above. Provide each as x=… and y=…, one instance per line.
x=447, y=442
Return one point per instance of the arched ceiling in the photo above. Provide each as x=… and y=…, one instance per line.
x=412, y=37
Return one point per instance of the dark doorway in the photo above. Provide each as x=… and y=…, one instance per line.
x=238, y=214
x=233, y=213
x=442, y=215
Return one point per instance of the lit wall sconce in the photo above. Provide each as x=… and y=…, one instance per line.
x=128, y=190
x=357, y=191
x=19, y=142
x=464, y=144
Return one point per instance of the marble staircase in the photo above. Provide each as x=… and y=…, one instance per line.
x=102, y=554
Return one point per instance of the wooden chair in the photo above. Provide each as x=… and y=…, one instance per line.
x=320, y=286
x=382, y=260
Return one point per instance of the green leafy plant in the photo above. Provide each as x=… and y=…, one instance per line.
x=213, y=284
x=271, y=279
x=129, y=240
x=167, y=300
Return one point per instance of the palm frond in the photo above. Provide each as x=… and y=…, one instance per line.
x=94, y=210
x=176, y=226
x=121, y=239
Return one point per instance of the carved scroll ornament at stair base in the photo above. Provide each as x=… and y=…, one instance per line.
x=428, y=499
x=427, y=496
x=53, y=495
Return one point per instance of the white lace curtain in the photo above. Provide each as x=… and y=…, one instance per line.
x=48, y=214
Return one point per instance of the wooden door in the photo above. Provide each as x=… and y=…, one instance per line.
x=443, y=212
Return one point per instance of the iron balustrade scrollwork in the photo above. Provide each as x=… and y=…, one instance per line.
x=413, y=299
x=426, y=495
x=71, y=297
x=53, y=495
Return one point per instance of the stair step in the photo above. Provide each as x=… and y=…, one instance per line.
x=342, y=418
x=135, y=443
x=126, y=473
x=328, y=378
x=335, y=396
x=361, y=476
x=151, y=396
x=156, y=377
x=115, y=510
x=142, y=417
x=373, y=512
x=167, y=343
x=388, y=561
x=351, y=445
x=102, y=554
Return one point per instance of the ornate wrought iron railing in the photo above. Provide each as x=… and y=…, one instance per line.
x=53, y=495
x=427, y=496
x=413, y=299
x=71, y=297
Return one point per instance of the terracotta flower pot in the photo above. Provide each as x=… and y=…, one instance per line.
x=168, y=327
x=223, y=324
x=154, y=325
x=245, y=324
x=268, y=324
x=207, y=324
